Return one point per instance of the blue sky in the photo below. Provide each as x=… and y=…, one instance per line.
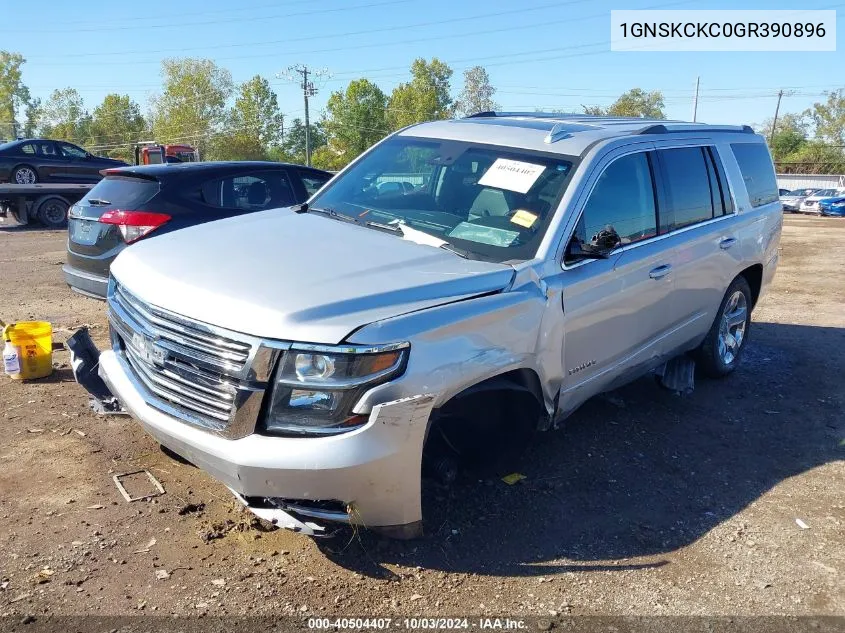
x=539, y=53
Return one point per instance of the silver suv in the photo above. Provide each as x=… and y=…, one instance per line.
x=460, y=281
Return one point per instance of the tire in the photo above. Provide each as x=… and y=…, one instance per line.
x=52, y=212
x=721, y=351
x=24, y=175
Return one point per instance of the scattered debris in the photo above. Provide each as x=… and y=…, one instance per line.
x=35, y=430
x=513, y=478
x=145, y=549
x=96, y=506
x=106, y=406
x=218, y=582
x=126, y=495
x=415, y=597
x=190, y=508
x=801, y=524
x=162, y=574
x=79, y=433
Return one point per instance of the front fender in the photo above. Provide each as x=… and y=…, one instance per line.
x=460, y=344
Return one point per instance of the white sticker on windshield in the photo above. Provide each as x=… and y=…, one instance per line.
x=513, y=175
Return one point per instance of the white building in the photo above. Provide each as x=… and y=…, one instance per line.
x=802, y=181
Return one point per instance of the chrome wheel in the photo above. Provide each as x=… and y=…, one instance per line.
x=732, y=327
x=25, y=176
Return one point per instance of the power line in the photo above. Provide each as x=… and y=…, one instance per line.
x=167, y=25
x=308, y=91
x=335, y=36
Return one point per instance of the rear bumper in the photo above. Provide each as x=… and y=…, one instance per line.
x=374, y=471
x=85, y=283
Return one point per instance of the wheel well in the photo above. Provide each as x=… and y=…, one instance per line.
x=486, y=421
x=754, y=276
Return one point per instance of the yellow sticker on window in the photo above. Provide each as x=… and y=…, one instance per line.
x=524, y=218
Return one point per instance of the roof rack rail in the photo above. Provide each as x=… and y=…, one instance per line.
x=538, y=115
x=661, y=128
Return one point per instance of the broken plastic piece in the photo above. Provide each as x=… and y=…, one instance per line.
x=801, y=524
x=513, y=478
x=127, y=496
x=84, y=358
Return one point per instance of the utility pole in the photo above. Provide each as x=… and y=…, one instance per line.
x=775, y=120
x=695, y=101
x=308, y=91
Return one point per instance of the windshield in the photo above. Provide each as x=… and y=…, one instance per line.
x=494, y=203
x=800, y=192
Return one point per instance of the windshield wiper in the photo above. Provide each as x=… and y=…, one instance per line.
x=393, y=228
x=331, y=213
x=400, y=227
x=98, y=202
x=457, y=251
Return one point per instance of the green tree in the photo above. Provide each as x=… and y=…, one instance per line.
x=293, y=146
x=13, y=93
x=813, y=157
x=829, y=117
x=63, y=116
x=254, y=124
x=192, y=105
x=634, y=103
x=33, y=118
x=477, y=94
x=356, y=119
x=789, y=137
x=425, y=98
x=117, y=121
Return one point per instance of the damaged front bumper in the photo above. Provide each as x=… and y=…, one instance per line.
x=368, y=477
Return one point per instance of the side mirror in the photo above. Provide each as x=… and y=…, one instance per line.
x=578, y=251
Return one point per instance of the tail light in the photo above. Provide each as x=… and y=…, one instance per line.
x=134, y=225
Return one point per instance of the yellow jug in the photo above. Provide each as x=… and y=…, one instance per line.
x=33, y=343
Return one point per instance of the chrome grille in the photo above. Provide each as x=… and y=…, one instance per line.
x=193, y=371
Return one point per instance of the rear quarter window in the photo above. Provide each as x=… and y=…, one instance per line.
x=758, y=173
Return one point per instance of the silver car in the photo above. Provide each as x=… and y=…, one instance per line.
x=792, y=200
x=317, y=359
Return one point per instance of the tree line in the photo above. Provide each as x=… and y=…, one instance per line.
x=201, y=105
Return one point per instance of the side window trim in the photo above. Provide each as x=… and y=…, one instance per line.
x=659, y=198
x=728, y=206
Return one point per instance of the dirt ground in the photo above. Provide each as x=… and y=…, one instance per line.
x=644, y=504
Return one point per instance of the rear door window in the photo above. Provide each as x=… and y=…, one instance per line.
x=47, y=148
x=621, y=208
x=249, y=192
x=687, y=178
x=758, y=173
x=27, y=148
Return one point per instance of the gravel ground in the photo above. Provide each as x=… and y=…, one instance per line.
x=644, y=504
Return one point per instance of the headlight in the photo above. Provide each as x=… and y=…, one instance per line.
x=316, y=386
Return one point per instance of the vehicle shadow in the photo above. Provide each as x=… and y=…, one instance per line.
x=636, y=475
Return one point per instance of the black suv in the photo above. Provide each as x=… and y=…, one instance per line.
x=131, y=203
x=35, y=160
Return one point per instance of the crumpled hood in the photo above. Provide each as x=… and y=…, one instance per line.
x=301, y=277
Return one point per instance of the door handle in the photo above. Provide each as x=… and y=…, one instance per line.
x=660, y=271
x=726, y=243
